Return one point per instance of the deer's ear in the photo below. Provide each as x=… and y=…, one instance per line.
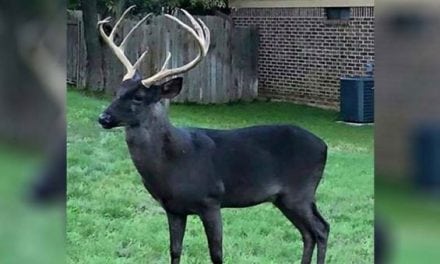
x=171, y=88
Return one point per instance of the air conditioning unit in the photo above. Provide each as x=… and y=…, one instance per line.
x=357, y=99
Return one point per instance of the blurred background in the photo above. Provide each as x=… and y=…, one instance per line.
x=32, y=131
x=407, y=131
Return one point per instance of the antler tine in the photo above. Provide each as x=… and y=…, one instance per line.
x=119, y=50
x=164, y=66
x=104, y=21
x=202, y=35
x=207, y=34
x=201, y=28
x=195, y=24
x=112, y=34
x=138, y=62
x=185, y=26
x=124, y=42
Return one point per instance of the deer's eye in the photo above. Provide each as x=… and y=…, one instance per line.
x=137, y=99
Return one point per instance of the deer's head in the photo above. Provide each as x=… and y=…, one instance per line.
x=137, y=97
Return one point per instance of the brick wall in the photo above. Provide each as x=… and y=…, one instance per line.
x=302, y=55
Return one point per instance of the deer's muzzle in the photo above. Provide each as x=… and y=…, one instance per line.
x=106, y=120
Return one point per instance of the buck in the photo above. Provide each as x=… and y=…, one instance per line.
x=198, y=171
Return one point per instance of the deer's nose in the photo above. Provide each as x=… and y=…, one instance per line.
x=104, y=119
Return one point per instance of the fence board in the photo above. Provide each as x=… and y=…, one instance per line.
x=227, y=74
x=246, y=60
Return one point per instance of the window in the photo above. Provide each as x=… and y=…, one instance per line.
x=337, y=13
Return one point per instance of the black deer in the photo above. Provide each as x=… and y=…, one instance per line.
x=199, y=171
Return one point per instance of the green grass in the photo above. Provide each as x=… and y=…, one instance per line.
x=112, y=218
x=28, y=233
x=411, y=220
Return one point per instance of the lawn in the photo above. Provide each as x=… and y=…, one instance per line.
x=112, y=218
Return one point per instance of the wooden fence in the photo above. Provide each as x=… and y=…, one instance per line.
x=227, y=74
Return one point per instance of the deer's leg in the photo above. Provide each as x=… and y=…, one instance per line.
x=301, y=216
x=212, y=223
x=322, y=231
x=177, y=224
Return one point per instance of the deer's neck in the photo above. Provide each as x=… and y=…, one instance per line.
x=155, y=143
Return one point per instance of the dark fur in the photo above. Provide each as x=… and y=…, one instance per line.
x=198, y=171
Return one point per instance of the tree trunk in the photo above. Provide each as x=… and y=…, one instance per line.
x=94, y=70
x=120, y=7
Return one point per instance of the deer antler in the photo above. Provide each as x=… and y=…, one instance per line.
x=202, y=35
x=120, y=50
